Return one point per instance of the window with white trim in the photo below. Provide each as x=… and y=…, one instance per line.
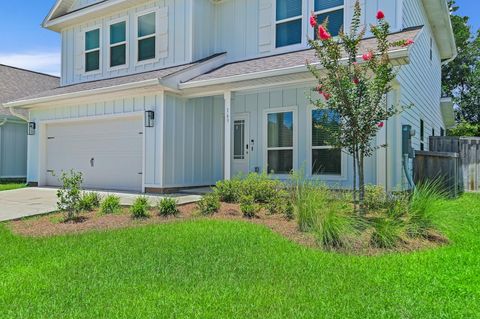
x=326, y=159
x=118, y=44
x=280, y=142
x=333, y=10
x=288, y=25
x=92, y=50
x=146, y=37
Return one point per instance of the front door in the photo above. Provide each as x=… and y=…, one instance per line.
x=240, y=144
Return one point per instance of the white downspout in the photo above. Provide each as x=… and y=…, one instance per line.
x=12, y=111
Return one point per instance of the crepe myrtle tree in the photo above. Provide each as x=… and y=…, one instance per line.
x=353, y=84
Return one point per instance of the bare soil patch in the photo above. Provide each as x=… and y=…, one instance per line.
x=53, y=225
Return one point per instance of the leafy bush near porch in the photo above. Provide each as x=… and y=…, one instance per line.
x=90, y=201
x=209, y=204
x=69, y=195
x=167, y=207
x=249, y=207
x=110, y=205
x=140, y=207
x=229, y=191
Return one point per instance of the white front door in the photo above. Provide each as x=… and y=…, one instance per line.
x=240, y=144
x=108, y=152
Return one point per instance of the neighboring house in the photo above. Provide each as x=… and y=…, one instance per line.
x=159, y=95
x=14, y=84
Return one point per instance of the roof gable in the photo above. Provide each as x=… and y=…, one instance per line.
x=63, y=7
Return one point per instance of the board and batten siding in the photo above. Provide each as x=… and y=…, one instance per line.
x=420, y=80
x=174, y=42
x=193, y=147
x=13, y=149
x=255, y=104
x=103, y=110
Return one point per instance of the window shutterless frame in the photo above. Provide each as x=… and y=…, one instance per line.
x=294, y=148
x=140, y=38
x=118, y=44
x=311, y=147
x=326, y=11
x=92, y=50
x=276, y=23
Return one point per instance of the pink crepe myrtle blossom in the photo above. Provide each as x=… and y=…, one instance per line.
x=326, y=95
x=313, y=21
x=381, y=124
x=356, y=80
x=367, y=56
x=408, y=42
x=380, y=15
x=323, y=33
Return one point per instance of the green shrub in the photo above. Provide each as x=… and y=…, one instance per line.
x=110, y=205
x=167, y=207
x=209, y=204
x=386, y=232
x=248, y=206
x=375, y=197
x=423, y=204
x=261, y=187
x=229, y=191
x=69, y=196
x=309, y=201
x=140, y=207
x=89, y=201
x=332, y=225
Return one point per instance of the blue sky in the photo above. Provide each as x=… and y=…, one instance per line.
x=24, y=43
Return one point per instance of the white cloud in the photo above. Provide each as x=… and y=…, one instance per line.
x=44, y=62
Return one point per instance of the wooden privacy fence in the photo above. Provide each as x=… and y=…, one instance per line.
x=466, y=176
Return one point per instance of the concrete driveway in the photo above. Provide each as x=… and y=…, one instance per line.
x=19, y=203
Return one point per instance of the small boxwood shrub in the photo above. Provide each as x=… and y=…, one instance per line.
x=229, y=191
x=248, y=206
x=261, y=187
x=110, y=205
x=167, y=207
x=140, y=207
x=89, y=201
x=209, y=204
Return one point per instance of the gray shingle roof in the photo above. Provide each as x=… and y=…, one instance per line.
x=17, y=83
x=291, y=59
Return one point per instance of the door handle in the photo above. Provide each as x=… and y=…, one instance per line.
x=92, y=162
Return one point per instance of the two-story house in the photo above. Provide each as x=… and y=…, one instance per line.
x=166, y=94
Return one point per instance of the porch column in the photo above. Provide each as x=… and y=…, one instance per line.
x=228, y=132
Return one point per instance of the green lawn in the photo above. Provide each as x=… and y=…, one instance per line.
x=215, y=269
x=10, y=186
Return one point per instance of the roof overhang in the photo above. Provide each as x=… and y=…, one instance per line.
x=58, y=19
x=398, y=57
x=438, y=14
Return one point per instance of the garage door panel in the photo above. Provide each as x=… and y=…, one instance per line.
x=107, y=152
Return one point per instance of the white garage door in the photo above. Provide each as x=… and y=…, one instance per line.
x=107, y=152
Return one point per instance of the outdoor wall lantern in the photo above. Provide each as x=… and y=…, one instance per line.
x=149, y=118
x=31, y=128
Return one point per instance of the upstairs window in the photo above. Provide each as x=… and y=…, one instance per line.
x=326, y=159
x=92, y=50
x=146, y=37
x=118, y=44
x=334, y=10
x=288, y=22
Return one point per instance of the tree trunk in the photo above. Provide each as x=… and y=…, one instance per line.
x=361, y=177
x=355, y=203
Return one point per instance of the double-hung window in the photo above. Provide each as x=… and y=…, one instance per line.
x=280, y=142
x=326, y=159
x=146, y=36
x=333, y=10
x=118, y=44
x=92, y=50
x=288, y=26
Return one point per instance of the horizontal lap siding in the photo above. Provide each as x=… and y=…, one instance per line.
x=193, y=149
x=420, y=81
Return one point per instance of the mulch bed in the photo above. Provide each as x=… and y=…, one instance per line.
x=53, y=225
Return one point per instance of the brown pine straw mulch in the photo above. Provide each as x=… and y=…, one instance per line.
x=53, y=225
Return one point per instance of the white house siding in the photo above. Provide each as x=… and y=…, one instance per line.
x=420, y=81
x=256, y=103
x=177, y=42
x=13, y=149
x=193, y=147
x=105, y=109
x=246, y=28
x=204, y=30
